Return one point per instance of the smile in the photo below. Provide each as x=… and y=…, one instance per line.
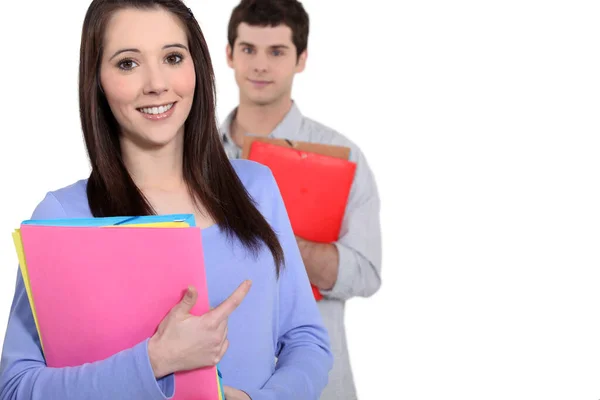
x=158, y=111
x=259, y=83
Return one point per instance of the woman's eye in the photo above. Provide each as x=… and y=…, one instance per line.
x=174, y=59
x=127, y=65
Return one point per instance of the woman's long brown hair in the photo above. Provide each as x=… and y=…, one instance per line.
x=207, y=171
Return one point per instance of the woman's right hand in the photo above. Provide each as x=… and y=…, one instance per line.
x=184, y=341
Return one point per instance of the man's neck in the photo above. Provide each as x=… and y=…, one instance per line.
x=258, y=119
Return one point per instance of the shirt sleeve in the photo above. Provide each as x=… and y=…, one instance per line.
x=359, y=245
x=24, y=374
x=304, y=353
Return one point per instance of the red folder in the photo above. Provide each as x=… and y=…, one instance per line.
x=314, y=187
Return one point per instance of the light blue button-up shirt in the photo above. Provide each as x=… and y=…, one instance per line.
x=359, y=245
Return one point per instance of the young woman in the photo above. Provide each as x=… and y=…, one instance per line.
x=147, y=104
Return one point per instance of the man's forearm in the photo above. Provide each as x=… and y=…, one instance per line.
x=321, y=262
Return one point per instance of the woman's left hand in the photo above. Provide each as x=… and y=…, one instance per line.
x=234, y=394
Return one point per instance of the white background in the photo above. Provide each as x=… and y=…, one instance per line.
x=480, y=121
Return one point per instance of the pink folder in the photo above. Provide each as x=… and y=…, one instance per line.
x=101, y=290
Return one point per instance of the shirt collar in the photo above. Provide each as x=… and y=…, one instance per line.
x=225, y=127
x=288, y=128
x=290, y=125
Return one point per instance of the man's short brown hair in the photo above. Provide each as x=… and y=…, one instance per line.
x=271, y=13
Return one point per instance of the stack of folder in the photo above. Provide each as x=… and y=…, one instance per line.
x=314, y=180
x=98, y=286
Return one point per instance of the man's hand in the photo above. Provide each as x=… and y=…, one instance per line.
x=234, y=394
x=321, y=262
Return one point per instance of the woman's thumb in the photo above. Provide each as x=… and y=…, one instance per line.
x=189, y=299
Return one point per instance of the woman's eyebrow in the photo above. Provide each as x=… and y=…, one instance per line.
x=133, y=50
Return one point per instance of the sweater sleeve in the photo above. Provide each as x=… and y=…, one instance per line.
x=24, y=374
x=304, y=354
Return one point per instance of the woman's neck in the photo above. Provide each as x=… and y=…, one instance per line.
x=155, y=169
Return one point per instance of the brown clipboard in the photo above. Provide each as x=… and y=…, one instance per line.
x=318, y=148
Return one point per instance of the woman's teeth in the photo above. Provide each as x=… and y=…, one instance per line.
x=156, y=110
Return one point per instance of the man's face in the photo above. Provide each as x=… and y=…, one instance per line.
x=264, y=60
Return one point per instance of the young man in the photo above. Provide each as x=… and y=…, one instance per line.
x=267, y=42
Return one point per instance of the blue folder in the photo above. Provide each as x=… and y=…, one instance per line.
x=108, y=221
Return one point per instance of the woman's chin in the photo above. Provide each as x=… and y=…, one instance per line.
x=160, y=138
